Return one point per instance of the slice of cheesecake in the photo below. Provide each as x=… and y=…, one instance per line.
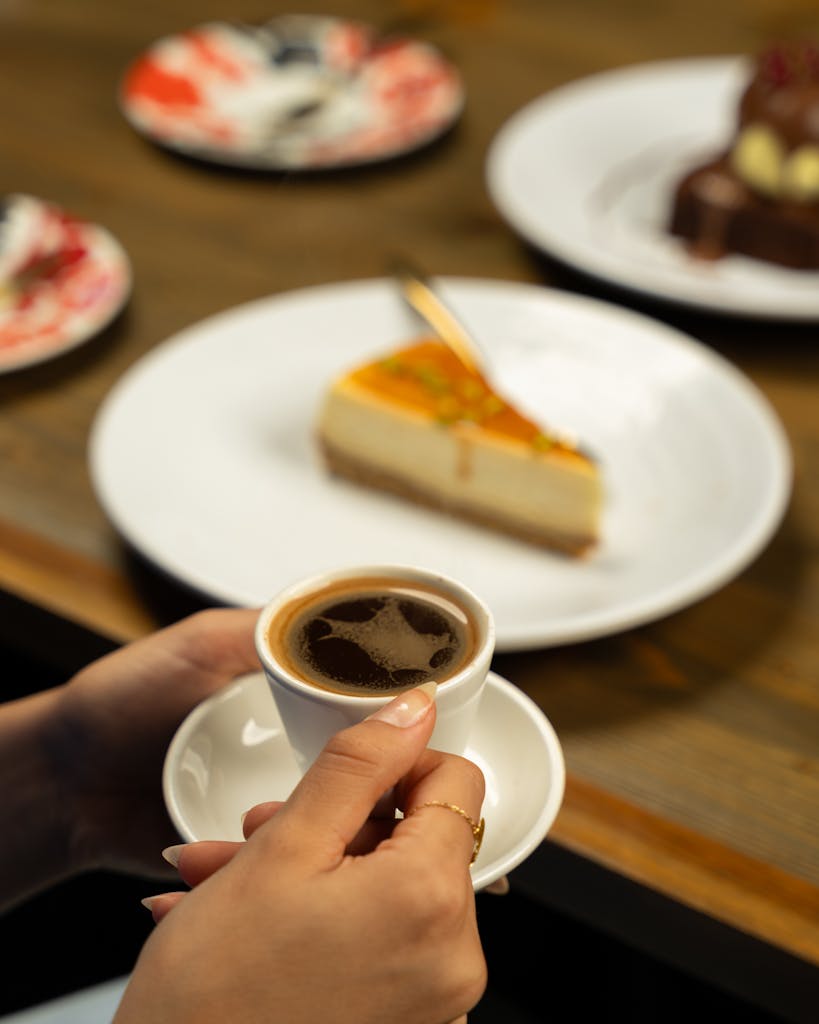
x=422, y=425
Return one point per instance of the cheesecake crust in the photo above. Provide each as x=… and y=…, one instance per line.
x=341, y=464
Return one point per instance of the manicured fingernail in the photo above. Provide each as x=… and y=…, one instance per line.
x=499, y=887
x=173, y=853
x=148, y=902
x=408, y=708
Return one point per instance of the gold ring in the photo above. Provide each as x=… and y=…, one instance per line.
x=478, y=827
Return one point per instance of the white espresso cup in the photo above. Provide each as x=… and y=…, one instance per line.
x=427, y=625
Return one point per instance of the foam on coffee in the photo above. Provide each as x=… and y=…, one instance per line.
x=372, y=636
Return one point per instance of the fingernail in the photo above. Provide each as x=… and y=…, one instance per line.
x=173, y=853
x=408, y=708
x=148, y=902
x=498, y=888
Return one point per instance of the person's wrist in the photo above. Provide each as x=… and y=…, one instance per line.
x=55, y=745
x=36, y=812
x=63, y=746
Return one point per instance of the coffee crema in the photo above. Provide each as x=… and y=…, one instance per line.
x=373, y=636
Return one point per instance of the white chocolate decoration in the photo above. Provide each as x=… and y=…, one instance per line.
x=757, y=158
x=800, y=174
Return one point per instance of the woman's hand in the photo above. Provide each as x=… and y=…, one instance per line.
x=112, y=723
x=326, y=913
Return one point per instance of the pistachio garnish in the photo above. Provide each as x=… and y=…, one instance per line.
x=542, y=442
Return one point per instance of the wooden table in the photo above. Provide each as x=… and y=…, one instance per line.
x=692, y=743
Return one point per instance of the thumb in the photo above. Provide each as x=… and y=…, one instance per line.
x=358, y=765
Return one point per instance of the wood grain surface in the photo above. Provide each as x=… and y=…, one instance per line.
x=692, y=744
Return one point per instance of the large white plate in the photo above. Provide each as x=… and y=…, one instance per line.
x=586, y=173
x=203, y=456
x=231, y=753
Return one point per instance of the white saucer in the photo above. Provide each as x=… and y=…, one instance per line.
x=231, y=753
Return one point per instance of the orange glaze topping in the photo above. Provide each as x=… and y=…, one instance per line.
x=428, y=376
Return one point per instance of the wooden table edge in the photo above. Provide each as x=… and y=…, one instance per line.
x=752, y=896
x=71, y=585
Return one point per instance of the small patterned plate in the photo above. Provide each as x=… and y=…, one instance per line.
x=296, y=93
x=62, y=280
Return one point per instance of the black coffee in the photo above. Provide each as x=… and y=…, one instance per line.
x=372, y=636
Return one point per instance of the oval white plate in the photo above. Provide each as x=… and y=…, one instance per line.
x=586, y=173
x=202, y=455
x=231, y=753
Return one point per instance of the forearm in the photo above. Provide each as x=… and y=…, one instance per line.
x=34, y=812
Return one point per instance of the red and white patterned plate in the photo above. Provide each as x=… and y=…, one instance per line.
x=298, y=92
x=61, y=280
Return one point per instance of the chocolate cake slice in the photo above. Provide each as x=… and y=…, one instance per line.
x=760, y=197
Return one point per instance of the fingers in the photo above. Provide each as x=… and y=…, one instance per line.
x=371, y=833
x=441, y=797
x=258, y=815
x=197, y=861
x=341, y=788
x=161, y=904
x=221, y=640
